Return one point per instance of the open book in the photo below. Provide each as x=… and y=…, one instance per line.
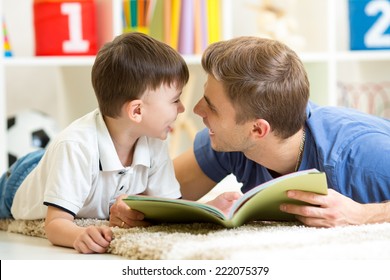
x=260, y=203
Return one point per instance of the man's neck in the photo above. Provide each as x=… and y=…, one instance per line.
x=279, y=155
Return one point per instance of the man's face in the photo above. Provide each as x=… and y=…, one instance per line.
x=219, y=115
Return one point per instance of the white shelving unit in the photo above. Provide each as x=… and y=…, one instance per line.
x=3, y=134
x=326, y=55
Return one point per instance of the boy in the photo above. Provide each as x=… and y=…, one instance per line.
x=113, y=151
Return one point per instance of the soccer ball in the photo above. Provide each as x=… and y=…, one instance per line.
x=28, y=131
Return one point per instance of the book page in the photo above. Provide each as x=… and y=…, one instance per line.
x=273, y=193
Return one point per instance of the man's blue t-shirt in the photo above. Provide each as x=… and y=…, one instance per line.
x=351, y=147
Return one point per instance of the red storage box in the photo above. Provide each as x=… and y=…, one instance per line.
x=65, y=27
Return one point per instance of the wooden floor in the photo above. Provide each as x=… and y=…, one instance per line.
x=16, y=246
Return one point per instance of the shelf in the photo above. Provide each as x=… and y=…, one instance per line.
x=49, y=61
x=378, y=55
x=314, y=57
x=70, y=60
x=306, y=57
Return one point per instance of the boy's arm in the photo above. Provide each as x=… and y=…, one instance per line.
x=193, y=182
x=62, y=231
x=225, y=201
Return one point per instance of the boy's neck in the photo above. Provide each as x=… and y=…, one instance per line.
x=124, y=141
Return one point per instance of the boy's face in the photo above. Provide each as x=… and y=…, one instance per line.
x=219, y=116
x=161, y=108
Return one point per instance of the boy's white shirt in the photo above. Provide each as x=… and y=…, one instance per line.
x=69, y=174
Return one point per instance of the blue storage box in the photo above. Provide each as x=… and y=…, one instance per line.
x=369, y=22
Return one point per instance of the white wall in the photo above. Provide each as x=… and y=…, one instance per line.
x=27, y=87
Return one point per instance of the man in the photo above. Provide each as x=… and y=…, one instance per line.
x=261, y=125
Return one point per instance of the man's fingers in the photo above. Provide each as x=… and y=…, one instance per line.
x=308, y=197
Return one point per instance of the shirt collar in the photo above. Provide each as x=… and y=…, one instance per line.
x=108, y=157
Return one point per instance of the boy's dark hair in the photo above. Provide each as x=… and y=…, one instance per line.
x=129, y=65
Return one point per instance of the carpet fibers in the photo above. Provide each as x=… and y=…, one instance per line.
x=257, y=240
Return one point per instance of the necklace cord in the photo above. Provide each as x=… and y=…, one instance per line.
x=299, y=159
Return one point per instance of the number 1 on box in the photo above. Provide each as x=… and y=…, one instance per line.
x=75, y=42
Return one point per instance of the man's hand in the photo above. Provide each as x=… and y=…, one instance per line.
x=333, y=209
x=123, y=216
x=225, y=201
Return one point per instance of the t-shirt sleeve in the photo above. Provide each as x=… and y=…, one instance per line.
x=68, y=176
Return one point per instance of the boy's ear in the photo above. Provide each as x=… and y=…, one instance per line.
x=134, y=110
x=260, y=128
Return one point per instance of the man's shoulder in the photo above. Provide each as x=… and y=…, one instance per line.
x=335, y=118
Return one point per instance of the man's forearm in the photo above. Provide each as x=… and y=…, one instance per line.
x=377, y=213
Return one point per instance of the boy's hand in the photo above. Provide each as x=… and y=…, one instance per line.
x=225, y=201
x=93, y=240
x=123, y=216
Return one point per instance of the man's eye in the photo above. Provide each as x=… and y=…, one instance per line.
x=212, y=109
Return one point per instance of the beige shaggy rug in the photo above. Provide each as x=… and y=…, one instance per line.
x=258, y=240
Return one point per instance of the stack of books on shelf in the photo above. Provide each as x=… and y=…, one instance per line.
x=189, y=26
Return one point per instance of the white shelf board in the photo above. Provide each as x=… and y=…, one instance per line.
x=49, y=61
x=377, y=55
x=312, y=57
x=70, y=60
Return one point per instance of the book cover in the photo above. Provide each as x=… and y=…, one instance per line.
x=133, y=13
x=186, y=28
x=141, y=12
x=214, y=21
x=156, y=29
x=200, y=22
x=175, y=23
x=260, y=203
x=126, y=14
x=167, y=18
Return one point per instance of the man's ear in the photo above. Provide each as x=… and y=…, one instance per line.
x=134, y=110
x=261, y=128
